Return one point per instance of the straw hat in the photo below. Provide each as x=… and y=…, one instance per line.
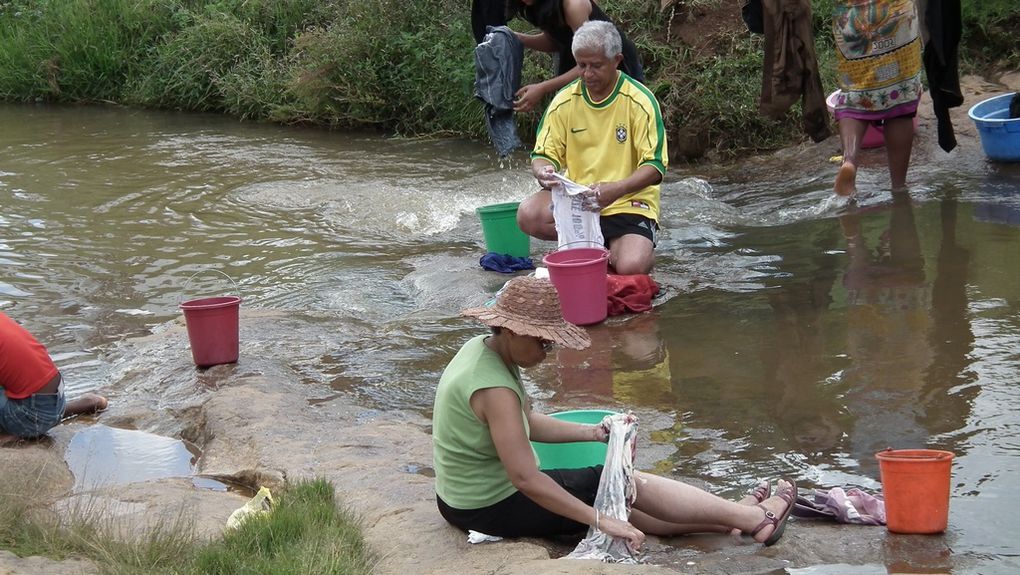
x=530, y=306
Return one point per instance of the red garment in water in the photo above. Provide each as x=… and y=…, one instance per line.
x=630, y=293
x=25, y=366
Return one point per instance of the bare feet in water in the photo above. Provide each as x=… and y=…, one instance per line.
x=88, y=403
x=846, y=180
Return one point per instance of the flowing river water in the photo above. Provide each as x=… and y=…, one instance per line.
x=794, y=336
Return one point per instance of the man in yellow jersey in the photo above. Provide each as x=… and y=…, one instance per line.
x=605, y=131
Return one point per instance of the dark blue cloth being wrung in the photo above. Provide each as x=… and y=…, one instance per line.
x=504, y=263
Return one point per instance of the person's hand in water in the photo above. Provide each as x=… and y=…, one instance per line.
x=624, y=530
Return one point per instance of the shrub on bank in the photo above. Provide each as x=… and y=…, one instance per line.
x=403, y=67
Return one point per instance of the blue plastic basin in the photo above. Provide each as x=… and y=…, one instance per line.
x=1000, y=134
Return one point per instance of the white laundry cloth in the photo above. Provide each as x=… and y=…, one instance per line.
x=576, y=227
x=616, y=493
x=477, y=537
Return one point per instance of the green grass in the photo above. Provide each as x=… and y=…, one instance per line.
x=307, y=532
x=402, y=67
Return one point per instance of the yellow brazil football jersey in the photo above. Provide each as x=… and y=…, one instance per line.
x=606, y=141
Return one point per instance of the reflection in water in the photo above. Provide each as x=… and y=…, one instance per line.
x=799, y=368
x=628, y=363
x=888, y=319
x=949, y=388
x=101, y=456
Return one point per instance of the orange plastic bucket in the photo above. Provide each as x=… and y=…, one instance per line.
x=915, y=485
x=213, y=325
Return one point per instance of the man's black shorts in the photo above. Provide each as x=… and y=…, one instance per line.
x=618, y=225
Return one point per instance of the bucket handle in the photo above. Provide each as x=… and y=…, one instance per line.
x=187, y=283
x=589, y=244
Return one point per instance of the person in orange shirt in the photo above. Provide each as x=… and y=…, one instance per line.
x=32, y=401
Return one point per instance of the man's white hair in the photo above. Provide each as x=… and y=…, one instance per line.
x=597, y=35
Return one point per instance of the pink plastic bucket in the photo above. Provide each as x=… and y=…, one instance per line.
x=213, y=325
x=579, y=275
x=874, y=135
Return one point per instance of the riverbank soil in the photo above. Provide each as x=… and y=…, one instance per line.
x=260, y=423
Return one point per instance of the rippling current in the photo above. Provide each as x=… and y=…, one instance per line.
x=795, y=335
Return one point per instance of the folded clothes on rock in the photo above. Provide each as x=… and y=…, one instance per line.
x=841, y=505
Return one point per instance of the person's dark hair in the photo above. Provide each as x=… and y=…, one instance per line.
x=496, y=330
x=513, y=9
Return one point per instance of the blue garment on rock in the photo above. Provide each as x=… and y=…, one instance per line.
x=498, y=61
x=504, y=263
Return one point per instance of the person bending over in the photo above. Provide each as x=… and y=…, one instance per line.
x=605, y=130
x=557, y=20
x=487, y=477
x=32, y=401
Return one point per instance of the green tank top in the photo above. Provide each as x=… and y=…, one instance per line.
x=469, y=474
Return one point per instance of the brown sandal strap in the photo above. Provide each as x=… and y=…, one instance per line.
x=770, y=517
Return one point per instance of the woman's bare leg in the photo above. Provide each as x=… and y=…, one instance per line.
x=671, y=507
x=851, y=132
x=899, y=142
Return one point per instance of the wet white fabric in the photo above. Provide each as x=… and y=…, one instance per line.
x=616, y=493
x=576, y=227
x=475, y=537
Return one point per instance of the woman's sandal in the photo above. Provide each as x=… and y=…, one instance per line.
x=787, y=494
x=760, y=492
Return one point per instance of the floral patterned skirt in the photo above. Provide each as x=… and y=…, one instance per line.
x=878, y=51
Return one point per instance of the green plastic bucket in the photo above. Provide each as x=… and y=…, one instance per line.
x=499, y=226
x=577, y=454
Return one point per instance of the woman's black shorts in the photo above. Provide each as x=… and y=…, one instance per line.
x=518, y=516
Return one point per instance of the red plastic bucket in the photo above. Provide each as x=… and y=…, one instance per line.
x=915, y=486
x=579, y=275
x=213, y=325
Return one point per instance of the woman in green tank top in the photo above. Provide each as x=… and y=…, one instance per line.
x=487, y=478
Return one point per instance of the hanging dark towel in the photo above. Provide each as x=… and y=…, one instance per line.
x=790, y=68
x=941, y=64
x=498, y=62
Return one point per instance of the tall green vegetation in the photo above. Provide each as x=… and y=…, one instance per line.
x=403, y=67
x=307, y=532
